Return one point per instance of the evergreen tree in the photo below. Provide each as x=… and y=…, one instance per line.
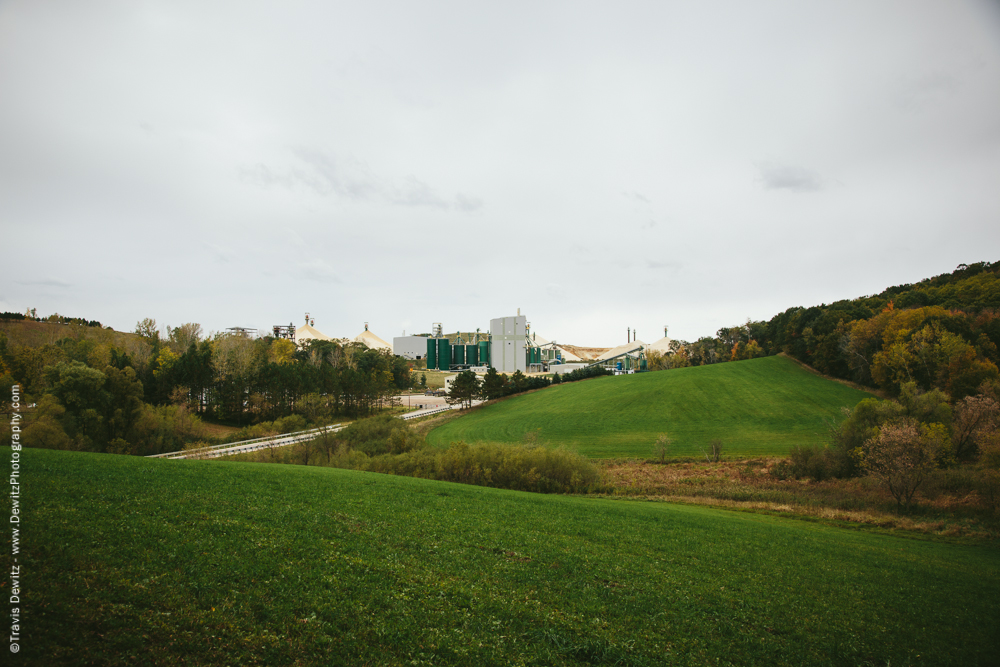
x=464, y=388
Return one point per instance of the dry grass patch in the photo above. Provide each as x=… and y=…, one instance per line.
x=749, y=485
x=219, y=431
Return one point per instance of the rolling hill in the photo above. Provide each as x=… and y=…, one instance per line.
x=755, y=407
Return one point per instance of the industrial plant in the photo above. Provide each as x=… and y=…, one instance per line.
x=508, y=346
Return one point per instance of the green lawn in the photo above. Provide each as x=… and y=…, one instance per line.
x=129, y=561
x=756, y=407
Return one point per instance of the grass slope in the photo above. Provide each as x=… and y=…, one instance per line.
x=130, y=561
x=756, y=407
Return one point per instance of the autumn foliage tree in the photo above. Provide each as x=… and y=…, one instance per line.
x=900, y=456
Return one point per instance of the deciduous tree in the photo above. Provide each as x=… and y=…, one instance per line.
x=900, y=457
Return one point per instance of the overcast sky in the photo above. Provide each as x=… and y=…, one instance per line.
x=597, y=165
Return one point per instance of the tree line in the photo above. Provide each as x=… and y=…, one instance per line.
x=146, y=392
x=467, y=386
x=941, y=333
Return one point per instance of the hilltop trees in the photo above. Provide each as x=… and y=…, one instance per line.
x=143, y=393
x=942, y=333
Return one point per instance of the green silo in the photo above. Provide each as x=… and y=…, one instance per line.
x=443, y=354
x=484, y=352
x=431, y=353
x=472, y=355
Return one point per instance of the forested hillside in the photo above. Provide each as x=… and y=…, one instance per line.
x=941, y=333
x=95, y=389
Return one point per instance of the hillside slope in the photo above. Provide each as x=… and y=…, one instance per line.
x=134, y=561
x=755, y=407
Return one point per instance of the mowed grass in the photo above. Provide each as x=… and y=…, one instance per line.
x=129, y=561
x=759, y=407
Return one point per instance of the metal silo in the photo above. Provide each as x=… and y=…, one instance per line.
x=472, y=355
x=484, y=352
x=431, y=353
x=443, y=354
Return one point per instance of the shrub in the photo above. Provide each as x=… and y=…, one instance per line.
x=661, y=447
x=517, y=467
x=165, y=428
x=900, y=457
x=374, y=436
x=714, y=452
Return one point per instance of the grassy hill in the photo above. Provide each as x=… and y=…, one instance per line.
x=756, y=407
x=130, y=561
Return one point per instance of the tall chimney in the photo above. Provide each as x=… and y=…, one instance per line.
x=628, y=336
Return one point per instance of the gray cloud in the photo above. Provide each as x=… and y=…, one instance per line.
x=219, y=253
x=307, y=158
x=468, y=204
x=918, y=92
x=785, y=177
x=48, y=282
x=325, y=175
x=638, y=196
x=318, y=270
x=662, y=264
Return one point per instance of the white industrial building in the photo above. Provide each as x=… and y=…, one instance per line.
x=410, y=347
x=509, y=339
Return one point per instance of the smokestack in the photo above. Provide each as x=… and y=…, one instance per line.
x=628, y=336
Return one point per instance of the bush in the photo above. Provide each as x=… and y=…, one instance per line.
x=900, y=456
x=375, y=435
x=521, y=468
x=165, y=428
x=387, y=445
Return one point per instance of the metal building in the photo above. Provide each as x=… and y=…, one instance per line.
x=410, y=347
x=508, y=342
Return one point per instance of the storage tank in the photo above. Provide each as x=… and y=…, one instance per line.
x=431, y=353
x=484, y=352
x=443, y=354
x=472, y=355
x=457, y=355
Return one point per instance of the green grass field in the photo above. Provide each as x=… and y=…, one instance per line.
x=756, y=407
x=129, y=561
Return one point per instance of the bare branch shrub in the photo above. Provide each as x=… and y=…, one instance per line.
x=900, y=457
x=976, y=418
x=662, y=447
x=714, y=453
